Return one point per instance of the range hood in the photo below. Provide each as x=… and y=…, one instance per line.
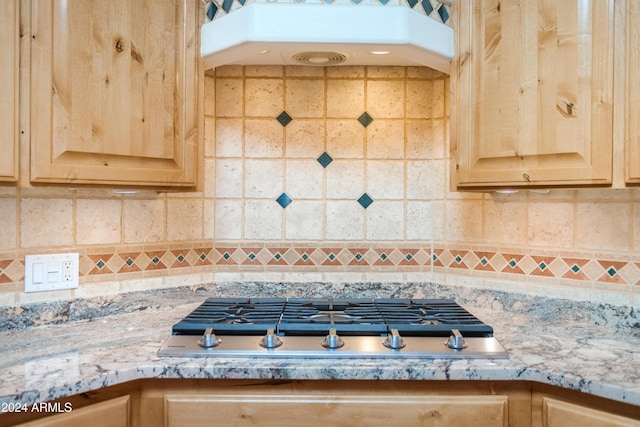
x=326, y=34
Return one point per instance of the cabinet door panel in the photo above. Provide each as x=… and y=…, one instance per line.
x=556, y=413
x=533, y=85
x=115, y=90
x=632, y=91
x=9, y=60
x=110, y=413
x=313, y=410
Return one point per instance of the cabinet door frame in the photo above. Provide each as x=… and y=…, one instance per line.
x=53, y=162
x=632, y=91
x=522, y=158
x=9, y=81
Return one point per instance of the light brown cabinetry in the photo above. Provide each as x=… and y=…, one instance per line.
x=115, y=92
x=9, y=100
x=336, y=403
x=532, y=93
x=110, y=413
x=632, y=91
x=553, y=407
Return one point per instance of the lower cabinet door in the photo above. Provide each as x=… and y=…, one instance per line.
x=313, y=410
x=558, y=413
x=110, y=413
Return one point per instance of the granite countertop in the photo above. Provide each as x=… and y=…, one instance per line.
x=60, y=349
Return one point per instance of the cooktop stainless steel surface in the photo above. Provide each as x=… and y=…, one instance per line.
x=332, y=328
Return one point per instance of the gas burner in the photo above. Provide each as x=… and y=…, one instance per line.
x=332, y=327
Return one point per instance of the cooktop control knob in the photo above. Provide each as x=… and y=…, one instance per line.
x=332, y=341
x=270, y=340
x=456, y=340
x=394, y=341
x=209, y=339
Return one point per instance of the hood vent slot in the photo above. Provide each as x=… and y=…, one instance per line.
x=319, y=58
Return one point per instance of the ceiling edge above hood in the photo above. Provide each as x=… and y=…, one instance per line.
x=273, y=33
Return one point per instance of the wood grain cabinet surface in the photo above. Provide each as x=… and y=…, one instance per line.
x=532, y=93
x=632, y=92
x=115, y=92
x=9, y=100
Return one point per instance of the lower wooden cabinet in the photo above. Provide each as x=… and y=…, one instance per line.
x=207, y=402
x=336, y=403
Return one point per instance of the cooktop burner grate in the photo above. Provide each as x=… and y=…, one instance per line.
x=316, y=316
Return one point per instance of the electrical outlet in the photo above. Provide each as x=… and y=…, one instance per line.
x=50, y=272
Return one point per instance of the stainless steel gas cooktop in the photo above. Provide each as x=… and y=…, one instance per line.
x=332, y=328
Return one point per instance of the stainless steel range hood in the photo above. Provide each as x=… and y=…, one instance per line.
x=326, y=34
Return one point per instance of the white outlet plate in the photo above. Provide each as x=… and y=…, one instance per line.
x=50, y=272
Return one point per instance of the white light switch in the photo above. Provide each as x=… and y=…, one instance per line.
x=50, y=272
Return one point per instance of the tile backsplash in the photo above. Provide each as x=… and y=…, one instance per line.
x=327, y=174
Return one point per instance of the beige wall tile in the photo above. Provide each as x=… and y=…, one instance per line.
x=505, y=223
x=425, y=180
x=385, y=220
x=263, y=178
x=345, y=179
x=385, y=99
x=304, y=179
x=98, y=222
x=345, y=220
x=263, y=220
x=345, y=139
x=264, y=98
x=345, y=98
x=461, y=221
x=8, y=228
x=305, y=98
x=144, y=221
x=385, y=179
x=229, y=94
x=228, y=138
x=228, y=219
x=425, y=220
x=304, y=220
x=263, y=138
x=304, y=138
x=551, y=224
x=229, y=177
x=184, y=219
x=385, y=139
x=46, y=223
x=604, y=226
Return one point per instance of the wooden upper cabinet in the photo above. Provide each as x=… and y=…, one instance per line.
x=115, y=92
x=632, y=92
x=532, y=93
x=9, y=59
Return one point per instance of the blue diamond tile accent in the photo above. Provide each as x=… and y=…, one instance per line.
x=575, y=268
x=408, y=257
x=434, y=257
x=100, y=264
x=365, y=119
x=251, y=256
x=384, y=1
x=458, y=259
x=383, y=256
x=284, y=200
x=542, y=266
x=242, y=2
x=212, y=9
x=444, y=15
x=325, y=159
x=203, y=256
x=412, y=3
x=129, y=261
x=284, y=119
x=358, y=256
x=484, y=261
x=365, y=201
x=331, y=256
x=155, y=260
x=226, y=5
x=226, y=255
x=513, y=263
x=426, y=5
x=612, y=271
x=304, y=256
x=277, y=256
x=180, y=258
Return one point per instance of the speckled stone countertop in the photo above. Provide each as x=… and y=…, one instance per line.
x=54, y=350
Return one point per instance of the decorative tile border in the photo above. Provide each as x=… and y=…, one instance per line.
x=280, y=256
